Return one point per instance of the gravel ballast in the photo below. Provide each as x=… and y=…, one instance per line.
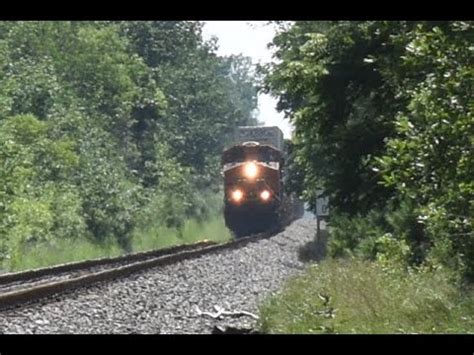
x=164, y=299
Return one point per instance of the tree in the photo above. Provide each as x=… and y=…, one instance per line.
x=330, y=83
x=383, y=117
x=207, y=95
x=430, y=160
x=102, y=122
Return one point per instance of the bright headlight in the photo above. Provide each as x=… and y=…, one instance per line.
x=237, y=195
x=265, y=195
x=250, y=170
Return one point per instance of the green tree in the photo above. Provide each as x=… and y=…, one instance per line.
x=102, y=120
x=383, y=117
x=208, y=96
x=37, y=202
x=430, y=161
x=330, y=83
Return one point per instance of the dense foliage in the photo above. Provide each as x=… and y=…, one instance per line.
x=104, y=122
x=384, y=123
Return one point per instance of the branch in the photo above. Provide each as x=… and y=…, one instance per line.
x=221, y=312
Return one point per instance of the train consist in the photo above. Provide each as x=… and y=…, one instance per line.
x=254, y=195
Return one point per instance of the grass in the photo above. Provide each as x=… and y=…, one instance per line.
x=60, y=252
x=354, y=296
x=160, y=237
x=63, y=251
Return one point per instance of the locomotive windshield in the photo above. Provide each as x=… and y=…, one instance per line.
x=261, y=153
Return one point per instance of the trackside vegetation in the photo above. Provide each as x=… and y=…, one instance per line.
x=383, y=116
x=60, y=252
x=357, y=296
x=110, y=136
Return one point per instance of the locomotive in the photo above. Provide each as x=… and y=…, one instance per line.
x=254, y=196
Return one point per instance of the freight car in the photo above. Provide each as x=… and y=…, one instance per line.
x=254, y=196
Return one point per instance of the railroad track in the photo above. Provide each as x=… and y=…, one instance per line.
x=32, y=285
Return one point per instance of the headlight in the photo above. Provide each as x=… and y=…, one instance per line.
x=250, y=170
x=237, y=195
x=265, y=195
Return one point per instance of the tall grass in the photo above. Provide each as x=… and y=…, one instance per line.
x=354, y=296
x=156, y=237
x=153, y=237
x=62, y=251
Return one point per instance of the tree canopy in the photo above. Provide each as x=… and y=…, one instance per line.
x=103, y=122
x=383, y=123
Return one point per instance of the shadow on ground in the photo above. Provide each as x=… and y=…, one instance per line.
x=315, y=250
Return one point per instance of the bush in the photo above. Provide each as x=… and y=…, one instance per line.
x=37, y=202
x=355, y=235
x=380, y=232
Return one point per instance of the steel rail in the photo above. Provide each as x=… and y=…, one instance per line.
x=21, y=292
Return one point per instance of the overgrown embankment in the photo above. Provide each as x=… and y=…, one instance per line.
x=384, y=125
x=150, y=238
x=111, y=135
x=359, y=296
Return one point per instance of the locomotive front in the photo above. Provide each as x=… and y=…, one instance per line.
x=252, y=187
